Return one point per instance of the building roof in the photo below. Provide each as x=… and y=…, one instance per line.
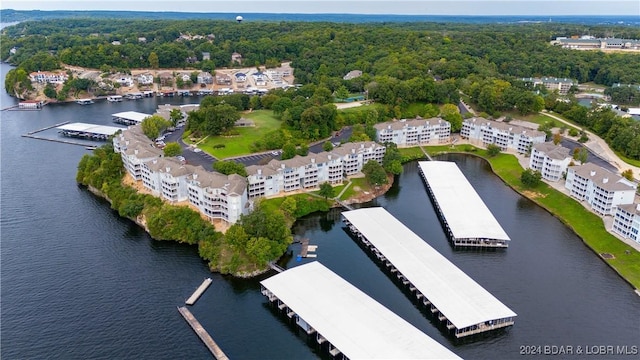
x=169, y=166
x=464, y=210
x=556, y=152
x=456, y=295
x=603, y=178
x=630, y=208
x=91, y=128
x=233, y=184
x=356, y=324
x=503, y=126
x=399, y=124
x=131, y=115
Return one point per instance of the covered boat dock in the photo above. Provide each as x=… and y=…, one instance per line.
x=349, y=323
x=129, y=117
x=450, y=295
x=88, y=131
x=465, y=217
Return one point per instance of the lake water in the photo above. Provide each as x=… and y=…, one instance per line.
x=78, y=282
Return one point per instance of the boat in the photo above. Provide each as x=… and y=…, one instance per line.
x=114, y=98
x=84, y=101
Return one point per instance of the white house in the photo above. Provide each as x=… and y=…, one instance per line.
x=507, y=136
x=414, y=132
x=125, y=81
x=626, y=221
x=48, y=77
x=603, y=190
x=550, y=160
x=241, y=77
x=205, y=78
x=145, y=79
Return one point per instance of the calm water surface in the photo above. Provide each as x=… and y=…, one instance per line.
x=78, y=282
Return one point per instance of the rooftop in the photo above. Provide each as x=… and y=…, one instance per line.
x=131, y=115
x=603, y=178
x=91, y=128
x=556, y=152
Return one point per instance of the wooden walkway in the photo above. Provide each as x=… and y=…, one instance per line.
x=202, y=333
x=199, y=291
x=47, y=128
x=57, y=140
x=425, y=153
x=344, y=205
x=276, y=267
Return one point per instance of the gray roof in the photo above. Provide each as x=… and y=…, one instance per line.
x=399, y=124
x=556, y=152
x=234, y=183
x=603, y=178
x=515, y=129
x=356, y=147
x=143, y=151
x=630, y=208
x=169, y=166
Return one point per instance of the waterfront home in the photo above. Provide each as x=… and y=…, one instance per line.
x=205, y=78
x=240, y=77
x=48, y=77
x=562, y=85
x=145, y=79
x=550, y=160
x=223, y=79
x=414, y=132
x=125, y=81
x=166, y=78
x=626, y=221
x=480, y=131
x=603, y=190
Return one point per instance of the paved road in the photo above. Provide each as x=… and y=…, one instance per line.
x=593, y=157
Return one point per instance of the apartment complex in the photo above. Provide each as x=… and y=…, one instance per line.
x=604, y=191
x=305, y=172
x=414, y=132
x=626, y=221
x=481, y=131
x=587, y=42
x=550, y=160
x=563, y=85
x=215, y=195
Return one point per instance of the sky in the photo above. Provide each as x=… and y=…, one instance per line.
x=401, y=7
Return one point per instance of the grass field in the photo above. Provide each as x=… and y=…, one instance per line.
x=583, y=222
x=360, y=183
x=240, y=144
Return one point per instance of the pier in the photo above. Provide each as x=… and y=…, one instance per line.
x=47, y=128
x=276, y=267
x=452, y=298
x=199, y=291
x=465, y=217
x=202, y=334
x=345, y=322
x=129, y=117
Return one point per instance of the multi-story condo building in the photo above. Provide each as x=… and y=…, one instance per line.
x=550, y=160
x=603, y=190
x=166, y=178
x=563, y=85
x=414, y=132
x=218, y=196
x=305, y=172
x=507, y=136
x=626, y=221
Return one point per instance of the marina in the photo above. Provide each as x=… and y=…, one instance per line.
x=114, y=98
x=199, y=291
x=346, y=322
x=450, y=295
x=202, y=334
x=129, y=117
x=84, y=101
x=88, y=131
x=464, y=216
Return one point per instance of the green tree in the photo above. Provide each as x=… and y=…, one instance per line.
x=230, y=167
x=392, y=160
x=154, y=61
x=289, y=206
x=326, y=190
x=493, y=150
x=154, y=125
x=581, y=154
x=175, y=116
x=530, y=178
x=327, y=146
x=172, y=149
x=451, y=113
x=50, y=91
x=628, y=174
x=374, y=173
x=288, y=151
x=303, y=150
x=342, y=92
x=557, y=138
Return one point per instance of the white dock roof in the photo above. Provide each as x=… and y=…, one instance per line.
x=464, y=210
x=457, y=296
x=359, y=326
x=131, y=115
x=91, y=128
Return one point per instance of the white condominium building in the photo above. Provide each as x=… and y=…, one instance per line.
x=604, y=191
x=550, y=160
x=507, y=136
x=166, y=178
x=414, y=132
x=218, y=196
x=305, y=172
x=626, y=221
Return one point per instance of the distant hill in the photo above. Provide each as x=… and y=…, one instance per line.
x=10, y=15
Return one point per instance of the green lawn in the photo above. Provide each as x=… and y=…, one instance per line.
x=584, y=223
x=240, y=144
x=357, y=182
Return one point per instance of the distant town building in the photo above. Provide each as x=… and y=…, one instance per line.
x=563, y=85
x=116, y=43
x=352, y=74
x=414, y=132
x=142, y=39
x=603, y=190
x=505, y=135
x=626, y=221
x=13, y=50
x=587, y=42
x=206, y=56
x=550, y=160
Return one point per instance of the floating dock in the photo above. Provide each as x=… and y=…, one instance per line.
x=466, y=219
x=455, y=299
x=202, y=334
x=347, y=323
x=199, y=291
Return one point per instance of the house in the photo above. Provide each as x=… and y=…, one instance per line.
x=603, y=190
x=142, y=39
x=236, y=58
x=563, y=85
x=352, y=74
x=145, y=79
x=125, y=81
x=205, y=78
x=626, y=221
x=223, y=79
x=13, y=50
x=48, y=77
x=240, y=77
x=414, y=131
x=186, y=78
x=550, y=160
x=508, y=137
x=191, y=59
x=166, y=79
x=116, y=43
x=260, y=78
